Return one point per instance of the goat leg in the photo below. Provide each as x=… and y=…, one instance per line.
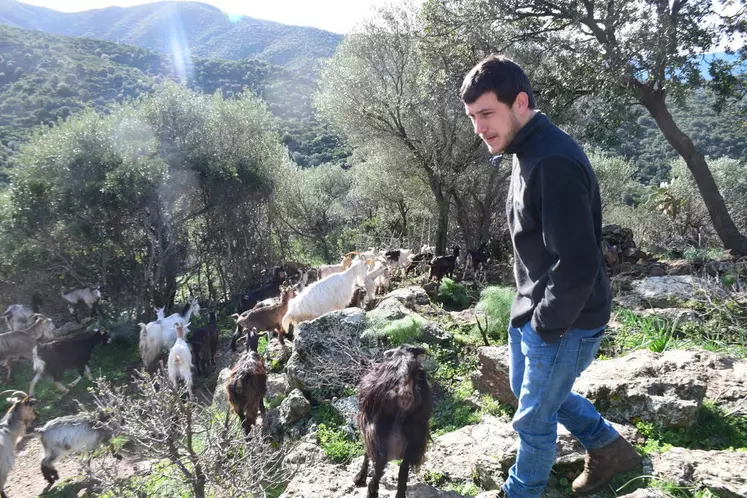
x=373, y=486
x=404, y=469
x=34, y=381
x=73, y=383
x=88, y=374
x=262, y=408
x=360, y=477
x=235, y=337
x=10, y=370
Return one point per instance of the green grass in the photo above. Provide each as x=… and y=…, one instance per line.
x=495, y=302
x=112, y=361
x=453, y=295
x=336, y=443
x=452, y=386
x=658, y=335
x=407, y=330
x=713, y=430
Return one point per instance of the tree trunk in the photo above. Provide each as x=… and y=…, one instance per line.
x=727, y=231
x=403, y=215
x=443, y=203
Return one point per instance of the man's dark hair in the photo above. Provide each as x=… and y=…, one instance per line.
x=499, y=75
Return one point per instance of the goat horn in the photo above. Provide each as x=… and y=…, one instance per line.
x=13, y=391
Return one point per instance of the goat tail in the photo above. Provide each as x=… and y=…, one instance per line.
x=38, y=362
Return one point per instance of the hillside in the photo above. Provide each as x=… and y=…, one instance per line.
x=715, y=134
x=205, y=30
x=44, y=78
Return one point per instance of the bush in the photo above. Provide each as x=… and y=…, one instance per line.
x=496, y=303
x=452, y=294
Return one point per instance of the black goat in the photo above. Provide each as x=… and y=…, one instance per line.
x=250, y=299
x=422, y=258
x=204, y=343
x=444, y=265
x=247, y=383
x=54, y=358
x=475, y=258
x=395, y=403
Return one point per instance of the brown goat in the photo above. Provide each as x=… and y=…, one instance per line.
x=395, y=402
x=266, y=318
x=247, y=384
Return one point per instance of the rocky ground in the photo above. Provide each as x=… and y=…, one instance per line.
x=682, y=407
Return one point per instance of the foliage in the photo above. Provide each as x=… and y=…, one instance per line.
x=723, y=329
x=312, y=205
x=406, y=330
x=716, y=135
x=142, y=196
x=45, y=78
x=620, y=56
x=453, y=294
x=339, y=445
x=199, y=446
x=714, y=429
x=388, y=88
x=495, y=302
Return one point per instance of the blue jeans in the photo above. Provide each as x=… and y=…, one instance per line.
x=542, y=377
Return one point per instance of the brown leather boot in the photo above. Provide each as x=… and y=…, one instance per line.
x=602, y=464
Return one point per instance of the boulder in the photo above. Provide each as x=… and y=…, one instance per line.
x=434, y=334
x=277, y=352
x=666, y=389
x=327, y=480
x=680, y=316
x=327, y=354
x=646, y=493
x=277, y=385
x=220, y=398
x=411, y=296
x=723, y=472
x=670, y=290
x=281, y=419
x=465, y=317
x=348, y=409
x=293, y=408
x=492, y=376
x=484, y=452
x=389, y=309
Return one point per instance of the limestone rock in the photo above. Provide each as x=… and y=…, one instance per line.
x=723, y=472
x=492, y=374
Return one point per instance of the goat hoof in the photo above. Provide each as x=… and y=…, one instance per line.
x=360, y=481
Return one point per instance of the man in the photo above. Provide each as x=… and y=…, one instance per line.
x=562, y=303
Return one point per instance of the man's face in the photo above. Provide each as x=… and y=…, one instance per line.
x=495, y=122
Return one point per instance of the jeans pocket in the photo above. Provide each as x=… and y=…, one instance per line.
x=588, y=350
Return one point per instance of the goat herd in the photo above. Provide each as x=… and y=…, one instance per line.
x=395, y=399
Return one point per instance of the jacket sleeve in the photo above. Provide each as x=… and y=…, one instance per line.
x=562, y=191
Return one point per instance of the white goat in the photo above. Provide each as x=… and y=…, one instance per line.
x=378, y=271
x=20, y=344
x=88, y=295
x=73, y=433
x=329, y=294
x=180, y=360
x=18, y=418
x=161, y=334
x=327, y=270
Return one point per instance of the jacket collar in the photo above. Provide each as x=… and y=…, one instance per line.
x=525, y=135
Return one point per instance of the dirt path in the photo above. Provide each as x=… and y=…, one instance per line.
x=26, y=480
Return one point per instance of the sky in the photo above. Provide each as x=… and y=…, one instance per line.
x=338, y=16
